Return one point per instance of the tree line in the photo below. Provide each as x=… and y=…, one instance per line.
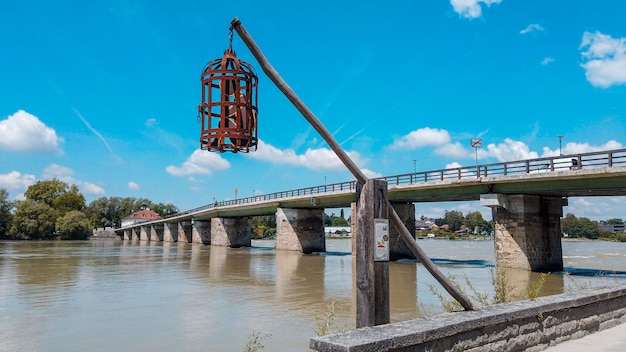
x=53, y=209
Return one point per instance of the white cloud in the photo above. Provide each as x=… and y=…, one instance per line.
x=133, y=185
x=531, y=27
x=453, y=165
x=66, y=175
x=371, y=174
x=471, y=8
x=604, y=59
x=596, y=208
x=200, y=162
x=90, y=188
x=576, y=148
x=59, y=172
x=455, y=150
x=547, y=60
x=510, y=150
x=24, y=132
x=313, y=159
x=16, y=180
x=420, y=138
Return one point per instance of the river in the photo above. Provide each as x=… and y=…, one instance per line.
x=110, y=295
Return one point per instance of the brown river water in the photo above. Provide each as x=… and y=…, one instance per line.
x=108, y=295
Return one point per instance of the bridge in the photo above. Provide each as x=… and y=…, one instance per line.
x=526, y=197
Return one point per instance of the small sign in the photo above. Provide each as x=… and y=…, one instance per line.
x=381, y=239
x=476, y=143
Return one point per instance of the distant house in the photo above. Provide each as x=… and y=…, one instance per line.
x=143, y=215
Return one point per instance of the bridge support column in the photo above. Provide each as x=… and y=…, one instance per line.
x=231, y=232
x=170, y=232
x=300, y=230
x=128, y=234
x=135, y=233
x=184, y=231
x=144, y=233
x=527, y=231
x=201, y=231
x=398, y=249
x=156, y=232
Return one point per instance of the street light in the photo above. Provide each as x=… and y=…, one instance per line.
x=476, y=143
x=560, y=149
x=414, y=166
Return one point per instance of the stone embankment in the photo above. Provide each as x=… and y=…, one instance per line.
x=519, y=326
x=98, y=234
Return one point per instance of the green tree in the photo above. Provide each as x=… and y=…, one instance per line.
x=164, y=209
x=339, y=221
x=69, y=200
x=579, y=227
x=615, y=221
x=569, y=225
x=74, y=225
x=475, y=220
x=454, y=219
x=32, y=221
x=46, y=191
x=6, y=206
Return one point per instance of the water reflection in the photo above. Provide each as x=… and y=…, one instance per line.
x=190, y=297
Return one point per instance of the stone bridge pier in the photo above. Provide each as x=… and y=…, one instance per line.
x=201, y=231
x=156, y=232
x=300, y=229
x=170, y=232
x=527, y=230
x=184, y=231
x=231, y=232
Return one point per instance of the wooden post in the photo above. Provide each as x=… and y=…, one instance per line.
x=349, y=163
x=372, y=265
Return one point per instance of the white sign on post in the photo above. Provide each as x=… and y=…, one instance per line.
x=381, y=237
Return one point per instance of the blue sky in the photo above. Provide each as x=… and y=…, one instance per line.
x=103, y=94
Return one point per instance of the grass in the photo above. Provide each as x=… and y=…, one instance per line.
x=503, y=291
x=255, y=341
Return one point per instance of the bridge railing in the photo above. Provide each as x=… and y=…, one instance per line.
x=603, y=159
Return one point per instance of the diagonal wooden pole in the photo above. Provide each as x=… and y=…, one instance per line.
x=347, y=161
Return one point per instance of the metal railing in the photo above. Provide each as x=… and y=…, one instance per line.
x=593, y=160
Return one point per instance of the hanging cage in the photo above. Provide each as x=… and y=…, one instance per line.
x=228, y=112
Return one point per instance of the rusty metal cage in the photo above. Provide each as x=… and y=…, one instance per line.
x=228, y=112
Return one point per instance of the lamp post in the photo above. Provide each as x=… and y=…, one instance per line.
x=414, y=166
x=560, y=142
x=476, y=143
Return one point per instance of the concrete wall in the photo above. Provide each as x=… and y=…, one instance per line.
x=520, y=326
x=300, y=230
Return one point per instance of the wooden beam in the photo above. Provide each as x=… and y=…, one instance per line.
x=343, y=156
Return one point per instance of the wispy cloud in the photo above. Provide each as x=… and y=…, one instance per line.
x=604, y=59
x=531, y=28
x=471, y=8
x=133, y=186
x=547, y=61
x=98, y=134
